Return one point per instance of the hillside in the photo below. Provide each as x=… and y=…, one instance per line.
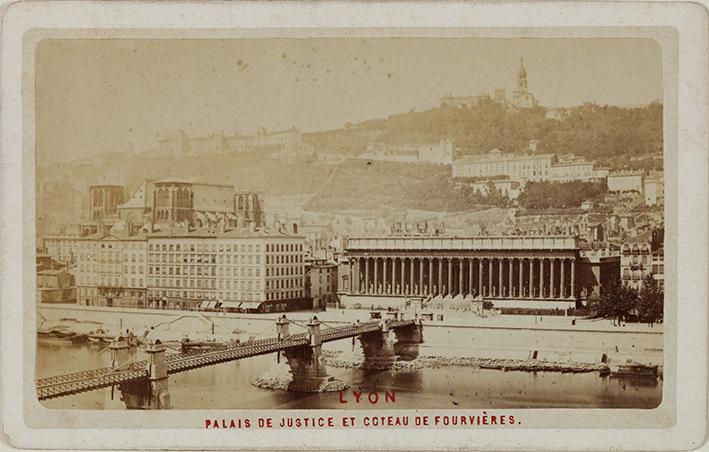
x=609, y=134
x=389, y=186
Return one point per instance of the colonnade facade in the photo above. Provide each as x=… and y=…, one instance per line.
x=514, y=277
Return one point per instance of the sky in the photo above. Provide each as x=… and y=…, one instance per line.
x=99, y=95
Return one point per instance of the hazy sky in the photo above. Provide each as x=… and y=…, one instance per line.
x=100, y=95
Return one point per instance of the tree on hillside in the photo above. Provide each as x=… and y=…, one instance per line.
x=651, y=300
x=617, y=301
x=559, y=195
x=611, y=134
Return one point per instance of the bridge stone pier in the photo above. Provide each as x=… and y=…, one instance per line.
x=150, y=394
x=307, y=363
x=385, y=347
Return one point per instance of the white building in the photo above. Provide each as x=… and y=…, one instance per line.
x=440, y=153
x=111, y=270
x=533, y=167
x=654, y=189
x=626, y=181
x=236, y=270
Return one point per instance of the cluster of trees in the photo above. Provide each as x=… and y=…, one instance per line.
x=559, y=195
x=622, y=302
x=589, y=130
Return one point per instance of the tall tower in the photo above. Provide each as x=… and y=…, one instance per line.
x=521, y=97
x=521, y=77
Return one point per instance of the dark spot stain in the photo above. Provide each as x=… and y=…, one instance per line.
x=284, y=56
x=388, y=75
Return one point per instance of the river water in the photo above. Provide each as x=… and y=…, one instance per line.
x=228, y=386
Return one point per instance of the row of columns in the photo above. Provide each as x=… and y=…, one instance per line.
x=501, y=277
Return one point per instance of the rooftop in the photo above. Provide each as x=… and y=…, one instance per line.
x=464, y=243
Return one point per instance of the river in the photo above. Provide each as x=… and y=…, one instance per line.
x=228, y=386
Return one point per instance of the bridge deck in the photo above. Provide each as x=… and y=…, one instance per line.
x=89, y=380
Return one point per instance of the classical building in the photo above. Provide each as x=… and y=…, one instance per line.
x=513, y=271
x=521, y=97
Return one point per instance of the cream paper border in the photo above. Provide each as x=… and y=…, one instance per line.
x=679, y=28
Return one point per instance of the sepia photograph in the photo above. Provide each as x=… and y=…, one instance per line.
x=354, y=225
x=351, y=223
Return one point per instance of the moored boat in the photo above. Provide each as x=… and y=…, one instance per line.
x=633, y=369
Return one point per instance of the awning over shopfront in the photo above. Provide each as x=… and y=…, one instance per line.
x=250, y=305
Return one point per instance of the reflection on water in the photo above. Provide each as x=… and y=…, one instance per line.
x=228, y=386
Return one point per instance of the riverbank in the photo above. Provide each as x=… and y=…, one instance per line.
x=512, y=339
x=340, y=360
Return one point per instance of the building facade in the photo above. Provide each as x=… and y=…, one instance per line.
x=625, y=181
x=514, y=166
x=55, y=286
x=654, y=190
x=62, y=248
x=104, y=201
x=635, y=261
x=172, y=203
x=181, y=144
x=510, y=270
x=321, y=282
x=231, y=270
x=641, y=256
x=195, y=269
x=111, y=270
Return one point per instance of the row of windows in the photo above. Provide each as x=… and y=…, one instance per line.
x=205, y=259
x=205, y=248
x=286, y=271
x=284, y=247
x=204, y=294
x=115, y=281
x=111, y=257
x=207, y=284
x=286, y=295
x=88, y=292
x=284, y=259
x=200, y=271
x=111, y=268
x=282, y=284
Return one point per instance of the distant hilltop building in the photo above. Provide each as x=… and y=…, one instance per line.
x=440, y=153
x=288, y=141
x=527, y=166
x=464, y=101
x=521, y=97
